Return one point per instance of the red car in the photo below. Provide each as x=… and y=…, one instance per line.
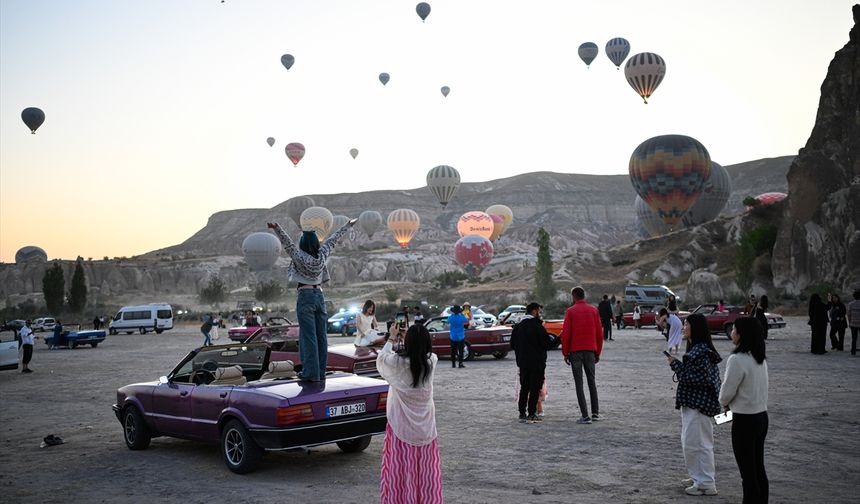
x=494, y=340
x=242, y=333
x=723, y=321
x=647, y=316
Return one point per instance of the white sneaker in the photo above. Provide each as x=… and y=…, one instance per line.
x=695, y=490
x=687, y=481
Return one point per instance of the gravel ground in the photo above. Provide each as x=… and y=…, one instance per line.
x=634, y=455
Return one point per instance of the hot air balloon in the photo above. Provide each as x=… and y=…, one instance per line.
x=261, y=251
x=498, y=227
x=297, y=205
x=370, y=222
x=403, y=223
x=33, y=117
x=504, y=212
x=644, y=72
x=445, y=90
x=353, y=152
x=270, y=141
x=616, y=50
x=715, y=195
x=587, y=52
x=31, y=254
x=384, y=78
x=668, y=172
x=475, y=223
x=649, y=220
x=769, y=198
x=287, y=60
x=444, y=182
x=319, y=219
x=473, y=253
x=295, y=151
x=338, y=221
x=423, y=10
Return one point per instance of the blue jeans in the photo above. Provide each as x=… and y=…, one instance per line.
x=206, y=340
x=313, y=342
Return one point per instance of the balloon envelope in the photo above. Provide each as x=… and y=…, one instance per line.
x=353, y=152
x=644, y=72
x=770, y=197
x=504, y=212
x=715, y=195
x=318, y=219
x=445, y=90
x=649, y=220
x=287, y=60
x=617, y=50
x=30, y=253
x=270, y=141
x=403, y=223
x=370, y=221
x=423, y=10
x=475, y=223
x=295, y=151
x=444, y=182
x=587, y=52
x=297, y=205
x=473, y=253
x=668, y=172
x=339, y=221
x=261, y=251
x=384, y=78
x=33, y=117
x=498, y=226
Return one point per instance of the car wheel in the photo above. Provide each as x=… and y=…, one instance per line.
x=354, y=445
x=73, y=344
x=728, y=329
x=112, y=331
x=142, y=330
x=135, y=430
x=95, y=344
x=467, y=352
x=129, y=332
x=241, y=453
x=159, y=331
x=500, y=355
x=623, y=325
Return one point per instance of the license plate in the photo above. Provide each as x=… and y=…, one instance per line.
x=506, y=338
x=346, y=409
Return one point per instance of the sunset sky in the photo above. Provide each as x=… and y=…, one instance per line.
x=158, y=111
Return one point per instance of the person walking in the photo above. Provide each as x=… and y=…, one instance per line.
x=530, y=341
x=581, y=345
x=853, y=316
x=205, y=328
x=818, y=324
x=637, y=315
x=309, y=269
x=697, y=396
x=604, y=308
x=758, y=313
x=457, y=334
x=26, y=335
x=838, y=323
x=673, y=327
x=618, y=312
x=411, y=466
x=744, y=393
x=366, y=326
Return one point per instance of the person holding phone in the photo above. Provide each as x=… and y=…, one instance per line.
x=696, y=396
x=457, y=323
x=309, y=269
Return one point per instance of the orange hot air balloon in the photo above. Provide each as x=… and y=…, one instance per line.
x=498, y=227
x=403, y=223
x=295, y=151
x=475, y=223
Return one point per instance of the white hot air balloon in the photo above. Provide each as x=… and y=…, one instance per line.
x=444, y=182
x=644, y=72
x=297, y=205
x=261, y=251
x=338, y=221
x=317, y=219
x=370, y=222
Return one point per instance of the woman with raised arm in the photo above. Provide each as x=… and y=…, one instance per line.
x=309, y=270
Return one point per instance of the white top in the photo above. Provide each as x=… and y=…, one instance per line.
x=364, y=333
x=674, y=331
x=744, y=388
x=26, y=335
x=411, y=412
x=636, y=313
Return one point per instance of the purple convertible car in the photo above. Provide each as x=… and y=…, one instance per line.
x=233, y=395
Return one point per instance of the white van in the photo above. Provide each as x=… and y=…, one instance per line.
x=155, y=316
x=648, y=294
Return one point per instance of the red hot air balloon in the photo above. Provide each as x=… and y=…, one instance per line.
x=473, y=252
x=769, y=198
x=295, y=151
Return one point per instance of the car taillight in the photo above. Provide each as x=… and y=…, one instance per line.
x=294, y=414
x=382, y=401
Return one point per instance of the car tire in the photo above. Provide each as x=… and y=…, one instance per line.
x=129, y=332
x=500, y=355
x=728, y=329
x=95, y=344
x=142, y=330
x=73, y=345
x=354, y=445
x=159, y=331
x=467, y=352
x=623, y=325
x=241, y=453
x=134, y=429
x=112, y=331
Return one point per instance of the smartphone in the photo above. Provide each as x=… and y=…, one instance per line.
x=723, y=417
x=667, y=354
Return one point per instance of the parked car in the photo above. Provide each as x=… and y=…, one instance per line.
x=553, y=327
x=342, y=322
x=8, y=353
x=43, y=324
x=724, y=321
x=223, y=394
x=480, y=318
x=648, y=294
x=495, y=341
x=516, y=308
x=13, y=325
x=74, y=339
x=242, y=332
x=647, y=316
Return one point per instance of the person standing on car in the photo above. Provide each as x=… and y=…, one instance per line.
x=530, y=341
x=604, y=308
x=205, y=328
x=457, y=323
x=309, y=269
x=618, y=312
x=26, y=334
x=581, y=344
x=837, y=313
x=411, y=466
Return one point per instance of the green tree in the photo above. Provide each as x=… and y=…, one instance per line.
x=78, y=292
x=214, y=293
x=267, y=292
x=752, y=244
x=450, y=279
x=545, y=288
x=54, y=288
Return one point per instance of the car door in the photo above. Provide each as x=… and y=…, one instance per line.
x=441, y=341
x=207, y=403
x=8, y=353
x=171, y=408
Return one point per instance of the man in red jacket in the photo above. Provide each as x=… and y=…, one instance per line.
x=581, y=344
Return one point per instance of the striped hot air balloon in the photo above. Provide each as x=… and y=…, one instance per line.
x=473, y=253
x=668, y=172
x=338, y=221
x=297, y=205
x=403, y=223
x=715, y=195
x=649, y=220
x=370, y=222
x=31, y=253
x=644, y=72
x=318, y=219
x=617, y=50
x=587, y=52
x=444, y=182
x=475, y=223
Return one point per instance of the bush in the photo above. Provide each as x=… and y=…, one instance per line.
x=751, y=245
x=450, y=280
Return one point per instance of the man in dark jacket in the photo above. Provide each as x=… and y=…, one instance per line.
x=604, y=308
x=530, y=341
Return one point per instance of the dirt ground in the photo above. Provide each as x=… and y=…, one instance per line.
x=634, y=455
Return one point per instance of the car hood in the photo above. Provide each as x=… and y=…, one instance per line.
x=350, y=350
x=335, y=385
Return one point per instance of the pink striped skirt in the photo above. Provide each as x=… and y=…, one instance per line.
x=410, y=474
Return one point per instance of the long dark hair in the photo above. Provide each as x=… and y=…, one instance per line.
x=367, y=305
x=699, y=332
x=310, y=243
x=750, y=338
x=417, y=347
x=762, y=301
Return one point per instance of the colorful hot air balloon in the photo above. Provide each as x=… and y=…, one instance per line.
x=338, y=221
x=649, y=220
x=473, y=253
x=33, y=117
x=353, y=152
x=444, y=182
x=475, y=223
x=261, y=251
x=270, y=141
x=423, y=10
x=668, y=172
x=769, y=198
x=287, y=60
x=297, y=205
x=616, y=50
x=587, y=52
x=504, y=212
x=445, y=90
x=370, y=222
x=715, y=195
x=31, y=254
x=498, y=226
x=384, y=78
x=403, y=223
x=317, y=219
x=644, y=72
x=295, y=151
